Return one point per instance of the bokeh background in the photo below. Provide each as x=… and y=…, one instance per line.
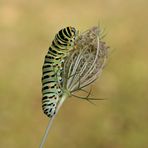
x=27, y=28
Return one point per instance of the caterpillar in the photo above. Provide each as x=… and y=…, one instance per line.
x=60, y=47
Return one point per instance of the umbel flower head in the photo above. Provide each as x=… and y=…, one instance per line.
x=81, y=67
x=86, y=61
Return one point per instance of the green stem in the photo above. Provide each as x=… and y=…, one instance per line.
x=51, y=120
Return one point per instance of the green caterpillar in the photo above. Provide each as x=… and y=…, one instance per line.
x=61, y=46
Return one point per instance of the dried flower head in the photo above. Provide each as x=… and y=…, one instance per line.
x=85, y=62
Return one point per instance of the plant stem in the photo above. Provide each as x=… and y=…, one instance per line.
x=51, y=120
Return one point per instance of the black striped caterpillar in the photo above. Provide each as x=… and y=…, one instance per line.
x=61, y=46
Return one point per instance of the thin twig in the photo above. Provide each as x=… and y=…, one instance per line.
x=51, y=120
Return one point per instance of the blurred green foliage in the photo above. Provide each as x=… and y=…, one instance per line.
x=26, y=29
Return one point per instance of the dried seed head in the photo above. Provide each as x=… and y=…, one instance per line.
x=85, y=62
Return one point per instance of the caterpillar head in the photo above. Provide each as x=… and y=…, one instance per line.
x=73, y=36
x=74, y=32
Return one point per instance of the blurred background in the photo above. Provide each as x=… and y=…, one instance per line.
x=27, y=28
